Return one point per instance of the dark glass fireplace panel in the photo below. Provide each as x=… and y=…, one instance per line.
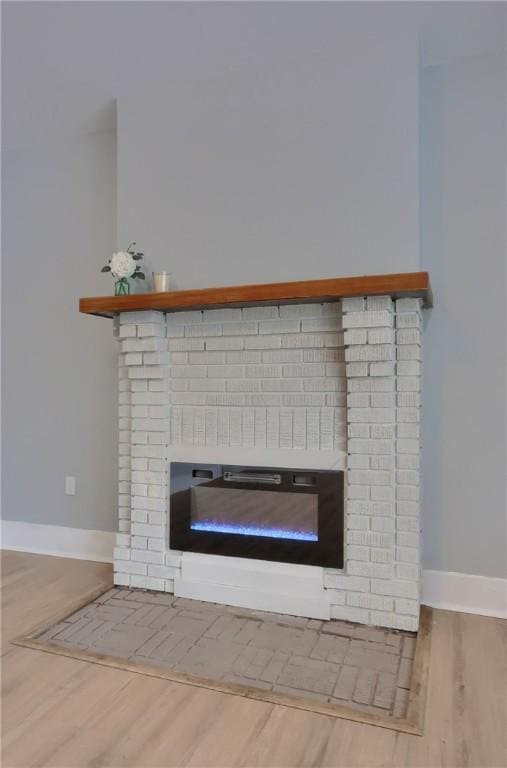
x=288, y=515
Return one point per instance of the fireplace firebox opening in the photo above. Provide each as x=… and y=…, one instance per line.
x=266, y=513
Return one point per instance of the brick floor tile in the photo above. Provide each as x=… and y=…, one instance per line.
x=405, y=673
x=373, y=660
x=400, y=703
x=365, y=686
x=274, y=667
x=330, y=648
x=384, y=691
x=346, y=683
x=408, y=647
x=309, y=675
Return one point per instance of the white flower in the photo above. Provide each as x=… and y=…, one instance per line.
x=122, y=264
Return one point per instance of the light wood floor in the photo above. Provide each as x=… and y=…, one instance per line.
x=58, y=711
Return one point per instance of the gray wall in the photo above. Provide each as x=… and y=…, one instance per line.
x=256, y=142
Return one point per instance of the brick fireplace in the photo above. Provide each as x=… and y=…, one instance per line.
x=324, y=385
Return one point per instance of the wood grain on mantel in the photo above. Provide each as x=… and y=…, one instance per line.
x=300, y=292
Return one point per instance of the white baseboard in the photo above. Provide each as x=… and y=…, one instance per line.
x=57, y=540
x=447, y=590
x=465, y=592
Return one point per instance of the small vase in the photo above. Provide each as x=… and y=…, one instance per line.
x=122, y=287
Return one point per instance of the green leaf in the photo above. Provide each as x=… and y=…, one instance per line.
x=141, y=275
x=106, y=269
x=137, y=256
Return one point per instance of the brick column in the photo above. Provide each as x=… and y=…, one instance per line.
x=142, y=541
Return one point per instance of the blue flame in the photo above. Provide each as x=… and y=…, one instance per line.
x=252, y=530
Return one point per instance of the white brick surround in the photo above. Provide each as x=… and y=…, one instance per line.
x=334, y=385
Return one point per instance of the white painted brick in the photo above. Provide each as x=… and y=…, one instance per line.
x=408, y=415
x=151, y=531
x=235, y=427
x=260, y=428
x=162, y=571
x=408, y=320
x=226, y=371
x=372, y=570
x=186, y=345
x=408, y=539
x=241, y=385
x=312, y=429
x=408, y=305
x=151, y=329
x=333, y=339
x=127, y=331
x=377, y=602
x=407, y=555
x=409, y=430
x=358, y=400
x=132, y=568
x=370, y=538
x=356, y=336
x=156, y=545
x=406, y=606
x=410, y=508
x=369, y=477
x=335, y=599
x=121, y=579
x=159, y=385
x=227, y=343
x=382, y=431
x=326, y=428
x=121, y=553
x=282, y=356
x=381, y=318
x=217, y=315
x=407, y=445
x=371, y=385
x=142, y=316
x=358, y=430
x=381, y=336
x=239, y=329
x=279, y=326
x=358, y=492
x=370, y=415
x=147, y=556
x=408, y=399
x=348, y=613
x=124, y=526
x=408, y=368
x=408, y=336
x=243, y=357
x=409, y=383
x=408, y=461
x=262, y=342
x=358, y=461
x=356, y=369
x=145, y=582
x=382, y=493
x=301, y=310
x=336, y=399
x=143, y=503
x=204, y=330
x=381, y=369
x=381, y=462
x=139, y=489
x=207, y=385
x=285, y=428
x=174, y=331
x=406, y=571
x=150, y=398
x=353, y=304
x=324, y=356
x=157, y=358
x=324, y=385
x=263, y=371
x=146, y=372
x=379, y=555
x=408, y=524
x=300, y=370
x=303, y=340
x=407, y=493
x=189, y=371
x=409, y=352
x=140, y=411
x=355, y=552
x=321, y=325
x=261, y=313
x=133, y=358
x=395, y=588
x=181, y=318
x=379, y=302
x=340, y=581
x=272, y=428
x=225, y=398
x=139, y=542
x=370, y=353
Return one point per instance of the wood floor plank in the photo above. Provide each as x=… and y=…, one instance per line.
x=61, y=712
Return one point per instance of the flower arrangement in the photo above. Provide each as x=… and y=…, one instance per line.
x=122, y=265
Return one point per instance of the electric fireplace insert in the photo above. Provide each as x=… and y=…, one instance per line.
x=288, y=515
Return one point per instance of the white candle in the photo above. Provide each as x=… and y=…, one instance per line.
x=161, y=281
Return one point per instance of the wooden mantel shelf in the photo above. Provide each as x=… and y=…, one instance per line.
x=406, y=284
